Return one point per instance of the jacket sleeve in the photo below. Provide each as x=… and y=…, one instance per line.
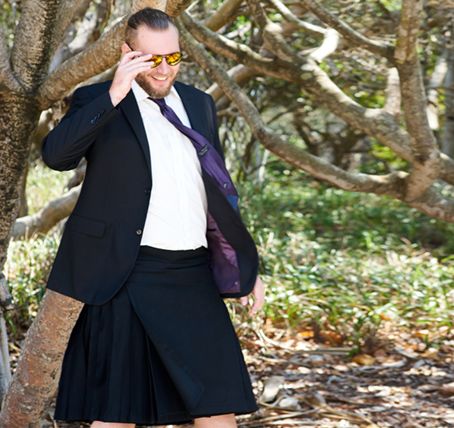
x=214, y=121
x=66, y=144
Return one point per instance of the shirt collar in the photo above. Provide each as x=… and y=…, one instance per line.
x=141, y=95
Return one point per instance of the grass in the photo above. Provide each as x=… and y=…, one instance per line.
x=348, y=261
x=342, y=261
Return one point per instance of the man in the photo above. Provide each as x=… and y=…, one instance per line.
x=156, y=225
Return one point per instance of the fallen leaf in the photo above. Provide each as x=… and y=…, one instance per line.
x=364, y=359
x=447, y=389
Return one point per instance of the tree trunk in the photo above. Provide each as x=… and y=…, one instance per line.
x=23, y=203
x=38, y=369
x=17, y=118
x=447, y=143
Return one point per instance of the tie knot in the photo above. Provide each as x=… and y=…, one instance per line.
x=161, y=102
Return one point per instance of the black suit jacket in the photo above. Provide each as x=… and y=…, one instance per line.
x=101, y=237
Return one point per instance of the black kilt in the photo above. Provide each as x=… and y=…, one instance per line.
x=162, y=351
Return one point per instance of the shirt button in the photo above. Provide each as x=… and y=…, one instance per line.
x=225, y=185
x=139, y=231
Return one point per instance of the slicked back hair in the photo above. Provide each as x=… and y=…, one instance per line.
x=154, y=19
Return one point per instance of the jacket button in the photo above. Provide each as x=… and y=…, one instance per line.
x=147, y=191
x=139, y=231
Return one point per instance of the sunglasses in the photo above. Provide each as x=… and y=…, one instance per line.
x=172, y=58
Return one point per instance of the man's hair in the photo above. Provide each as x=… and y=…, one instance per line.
x=154, y=19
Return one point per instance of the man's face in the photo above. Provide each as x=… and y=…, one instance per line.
x=157, y=81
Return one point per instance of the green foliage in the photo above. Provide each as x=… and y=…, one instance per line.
x=383, y=160
x=43, y=185
x=9, y=16
x=29, y=262
x=345, y=261
x=26, y=270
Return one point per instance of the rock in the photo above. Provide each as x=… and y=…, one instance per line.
x=271, y=388
x=290, y=403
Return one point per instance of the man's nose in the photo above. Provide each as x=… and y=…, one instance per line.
x=163, y=67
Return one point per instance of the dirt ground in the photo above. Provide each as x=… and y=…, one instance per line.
x=400, y=383
x=299, y=382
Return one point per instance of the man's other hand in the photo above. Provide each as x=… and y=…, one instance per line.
x=258, y=294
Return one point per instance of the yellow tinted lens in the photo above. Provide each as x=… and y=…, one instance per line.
x=157, y=59
x=173, y=58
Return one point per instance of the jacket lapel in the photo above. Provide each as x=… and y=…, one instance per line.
x=131, y=111
x=189, y=100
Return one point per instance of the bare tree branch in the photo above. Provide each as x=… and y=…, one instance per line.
x=393, y=184
x=274, y=67
x=273, y=142
x=434, y=205
x=89, y=30
x=223, y=15
x=436, y=82
x=374, y=122
x=272, y=34
x=81, y=67
x=328, y=46
x=289, y=16
x=31, y=46
x=175, y=7
x=68, y=11
x=393, y=99
x=47, y=217
x=426, y=164
x=240, y=74
x=348, y=32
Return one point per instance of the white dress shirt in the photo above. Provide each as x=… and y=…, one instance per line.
x=177, y=212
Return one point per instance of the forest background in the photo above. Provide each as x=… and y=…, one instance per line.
x=337, y=121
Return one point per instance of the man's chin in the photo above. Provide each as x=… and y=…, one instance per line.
x=157, y=90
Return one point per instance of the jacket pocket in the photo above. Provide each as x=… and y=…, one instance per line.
x=87, y=225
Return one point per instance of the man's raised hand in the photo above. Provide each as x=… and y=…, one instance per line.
x=131, y=64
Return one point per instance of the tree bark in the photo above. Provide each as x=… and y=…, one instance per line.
x=38, y=369
x=447, y=142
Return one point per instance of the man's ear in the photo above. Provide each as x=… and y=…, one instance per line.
x=125, y=48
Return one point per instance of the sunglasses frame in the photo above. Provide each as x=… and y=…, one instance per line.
x=159, y=58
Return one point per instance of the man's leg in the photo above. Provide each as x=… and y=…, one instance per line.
x=219, y=421
x=99, y=424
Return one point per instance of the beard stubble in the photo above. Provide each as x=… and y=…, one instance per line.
x=152, y=92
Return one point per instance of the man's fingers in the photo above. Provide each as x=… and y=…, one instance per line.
x=139, y=59
x=134, y=57
x=140, y=66
x=129, y=55
x=256, y=306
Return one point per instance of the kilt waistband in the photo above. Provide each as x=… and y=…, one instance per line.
x=162, y=253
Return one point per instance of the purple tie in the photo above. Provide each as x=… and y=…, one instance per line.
x=210, y=160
